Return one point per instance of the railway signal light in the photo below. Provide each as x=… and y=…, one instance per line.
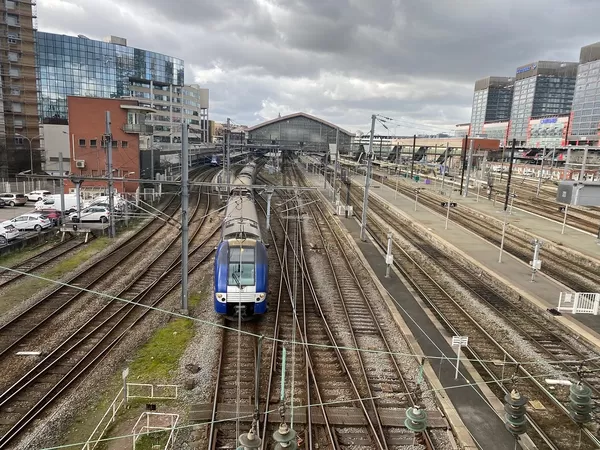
x=580, y=403
x=515, y=412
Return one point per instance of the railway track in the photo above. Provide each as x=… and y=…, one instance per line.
x=488, y=342
x=378, y=376
x=28, y=397
x=574, y=273
x=39, y=261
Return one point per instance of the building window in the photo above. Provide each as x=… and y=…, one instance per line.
x=10, y=4
x=13, y=38
x=18, y=123
x=12, y=20
x=18, y=140
x=13, y=56
x=93, y=143
x=123, y=144
x=16, y=107
x=14, y=72
x=15, y=91
x=82, y=142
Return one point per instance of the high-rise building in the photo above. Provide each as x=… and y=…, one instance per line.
x=175, y=104
x=585, y=116
x=491, y=101
x=78, y=66
x=19, y=131
x=542, y=88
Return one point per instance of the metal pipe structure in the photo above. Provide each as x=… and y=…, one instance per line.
x=111, y=200
x=184, y=218
x=363, y=225
x=510, y=167
x=62, y=189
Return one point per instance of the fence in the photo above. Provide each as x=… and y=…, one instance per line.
x=160, y=391
x=579, y=302
x=154, y=422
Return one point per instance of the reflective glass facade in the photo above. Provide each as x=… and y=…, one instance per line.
x=586, y=102
x=548, y=132
x=491, y=102
x=299, y=131
x=77, y=66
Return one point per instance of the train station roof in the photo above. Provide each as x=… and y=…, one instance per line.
x=298, y=114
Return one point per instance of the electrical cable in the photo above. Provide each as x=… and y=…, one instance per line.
x=313, y=405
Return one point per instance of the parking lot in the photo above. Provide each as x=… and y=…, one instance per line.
x=8, y=212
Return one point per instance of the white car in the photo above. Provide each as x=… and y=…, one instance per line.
x=91, y=214
x=35, y=222
x=7, y=232
x=36, y=196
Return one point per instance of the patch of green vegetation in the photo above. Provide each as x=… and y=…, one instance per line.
x=195, y=298
x=17, y=257
x=159, y=357
x=25, y=290
x=147, y=441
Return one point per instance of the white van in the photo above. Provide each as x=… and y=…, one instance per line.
x=52, y=202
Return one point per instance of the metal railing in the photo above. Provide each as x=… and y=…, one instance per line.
x=148, y=427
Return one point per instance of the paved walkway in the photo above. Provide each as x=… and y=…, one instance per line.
x=546, y=229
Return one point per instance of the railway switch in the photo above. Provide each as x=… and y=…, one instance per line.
x=580, y=403
x=515, y=412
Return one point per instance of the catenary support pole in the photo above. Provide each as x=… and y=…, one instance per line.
x=62, y=188
x=539, y=186
x=564, y=219
x=463, y=155
x=337, y=158
x=567, y=164
x=412, y=162
x=583, y=163
x=388, y=262
x=184, y=217
x=510, y=168
x=111, y=199
x=363, y=225
x=269, y=195
x=469, y=164
x=444, y=166
x=502, y=238
x=536, y=256
x=78, y=195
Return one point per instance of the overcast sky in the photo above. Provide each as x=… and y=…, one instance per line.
x=412, y=60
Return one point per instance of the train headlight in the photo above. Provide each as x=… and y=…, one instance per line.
x=262, y=296
x=220, y=296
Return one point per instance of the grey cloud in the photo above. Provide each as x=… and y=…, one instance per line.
x=413, y=43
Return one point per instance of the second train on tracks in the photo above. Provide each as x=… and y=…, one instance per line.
x=241, y=266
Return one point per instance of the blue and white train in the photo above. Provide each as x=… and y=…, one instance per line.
x=241, y=266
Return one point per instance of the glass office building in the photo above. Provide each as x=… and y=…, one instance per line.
x=585, y=121
x=542, y=88
x=299, y=131
x=80, y=66
x=491, y=102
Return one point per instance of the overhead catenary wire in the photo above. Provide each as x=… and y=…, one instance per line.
x=512, y=378
x=248, y=333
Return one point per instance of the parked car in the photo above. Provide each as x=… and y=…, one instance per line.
x=7, y=232
x=32, y=221
x=91, y=214
x=13, y=199
x=2, y=204
x=52, y=202
x=36, y=196
x=52, y=215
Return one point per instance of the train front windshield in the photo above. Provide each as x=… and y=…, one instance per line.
x=241, y=266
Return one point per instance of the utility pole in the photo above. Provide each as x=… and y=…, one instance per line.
x=510, y=167
x=184, y=218
x=537, y=193
x=380, y=147
x=363, y=225
x=567, y=163
x=228, y=166
x=469, y=163
x=337, y=157
x=62, y=188
x=582, y=172
x=152, y=162
x=111, y=200
x=444, y=163
x=412, y=162
x=462, y=163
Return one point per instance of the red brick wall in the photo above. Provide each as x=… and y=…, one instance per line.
x=87, y=121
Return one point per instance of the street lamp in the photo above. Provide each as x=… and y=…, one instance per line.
x=30, y=149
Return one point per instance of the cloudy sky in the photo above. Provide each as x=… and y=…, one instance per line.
x=412, y=60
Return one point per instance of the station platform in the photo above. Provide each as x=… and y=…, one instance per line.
x=542, y=227
x=474, y=406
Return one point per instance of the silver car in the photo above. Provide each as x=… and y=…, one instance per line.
x=32, y=221
x=13, y=199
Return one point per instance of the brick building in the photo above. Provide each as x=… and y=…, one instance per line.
x=87, y=152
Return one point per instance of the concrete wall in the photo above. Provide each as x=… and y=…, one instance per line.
x=56, y=139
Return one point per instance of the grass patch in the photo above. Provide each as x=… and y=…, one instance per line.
x=159, y=357
x=33, y=285
x=194, y=299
